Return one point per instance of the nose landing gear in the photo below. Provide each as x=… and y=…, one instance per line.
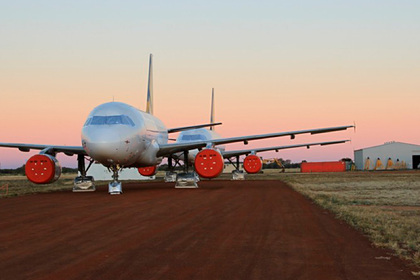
x=115, y=187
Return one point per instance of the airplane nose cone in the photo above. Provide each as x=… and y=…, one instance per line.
x=103, y=145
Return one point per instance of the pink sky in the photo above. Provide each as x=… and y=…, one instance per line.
x=276, y=66
x=53, y=113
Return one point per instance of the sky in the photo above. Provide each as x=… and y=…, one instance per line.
x=275, y=66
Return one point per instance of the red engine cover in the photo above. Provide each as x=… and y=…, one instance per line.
x=42, y=169
x=252, y=164
x=209, y=163
x=148, y=171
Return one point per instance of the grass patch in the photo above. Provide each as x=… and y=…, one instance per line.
x=384, y=206
x=16, y=185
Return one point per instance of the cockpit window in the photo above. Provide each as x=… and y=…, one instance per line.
x=110, y=120
x=193, y=137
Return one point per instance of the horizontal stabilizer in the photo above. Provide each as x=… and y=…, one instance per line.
x=178, y=129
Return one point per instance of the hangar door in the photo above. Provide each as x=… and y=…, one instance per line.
x=416, y=162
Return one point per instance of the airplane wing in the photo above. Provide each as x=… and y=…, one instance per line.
x=178, y=129
x=167, y=149
x=229, y=154
x=68, y=150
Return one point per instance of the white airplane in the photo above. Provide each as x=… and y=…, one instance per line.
x=252, y=163
x=192, y=135
x=119, y=136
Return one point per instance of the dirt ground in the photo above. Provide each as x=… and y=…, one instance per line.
x=223, y=230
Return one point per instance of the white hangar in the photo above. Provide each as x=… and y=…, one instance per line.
x=391, y=155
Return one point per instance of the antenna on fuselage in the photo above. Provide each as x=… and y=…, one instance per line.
x=212, y=109
x=149, y=106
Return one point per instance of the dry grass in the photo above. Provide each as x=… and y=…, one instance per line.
x=19, y=185
x=385, y=206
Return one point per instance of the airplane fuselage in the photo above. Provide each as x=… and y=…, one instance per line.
x=192, y=135
x=116, y=133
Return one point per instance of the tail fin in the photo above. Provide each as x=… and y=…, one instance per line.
x=149, y=106
x=212, y=109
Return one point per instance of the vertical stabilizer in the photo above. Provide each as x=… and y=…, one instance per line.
x=149, y=106
x=212, y=109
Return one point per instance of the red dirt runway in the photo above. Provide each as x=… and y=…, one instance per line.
x=224, y=230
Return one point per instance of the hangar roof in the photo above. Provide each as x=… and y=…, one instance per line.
x=414, y=146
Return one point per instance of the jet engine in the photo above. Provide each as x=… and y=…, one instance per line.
x=252, y=164
x=42, y=169
x=148, y=171
x=209, y=163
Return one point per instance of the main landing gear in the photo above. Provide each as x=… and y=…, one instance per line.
x=186, y=180
x=170, y=175
x=237, y=174
x=83, y=183
x=115, y=187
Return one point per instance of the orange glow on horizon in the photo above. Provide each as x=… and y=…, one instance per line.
x=274, y=67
